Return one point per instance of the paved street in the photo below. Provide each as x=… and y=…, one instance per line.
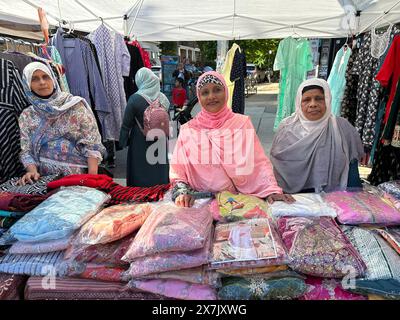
x=261, y=107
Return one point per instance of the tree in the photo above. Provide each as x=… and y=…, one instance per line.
x=208, y=50
x=169, y=48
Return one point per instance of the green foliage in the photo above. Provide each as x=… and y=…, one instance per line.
x=257, y=51
x=169, y=48
x=208, y=51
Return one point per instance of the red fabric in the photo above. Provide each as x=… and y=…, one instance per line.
x=119, y=194
x=17, y=202
x=144, y=54
x=390, y=72
x=178, y=96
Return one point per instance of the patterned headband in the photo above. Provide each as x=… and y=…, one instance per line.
x=209, y=79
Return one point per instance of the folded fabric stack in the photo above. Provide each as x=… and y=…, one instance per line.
x=391, y=191
x=12, y=286
x=168, y=252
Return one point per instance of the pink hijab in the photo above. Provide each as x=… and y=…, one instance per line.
x=220, y=151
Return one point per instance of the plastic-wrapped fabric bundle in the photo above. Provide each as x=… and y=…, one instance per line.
x=40, y=247
x=356, y=208
x=247, y=244
x=383, y=273
x=392, y=236
x=306, y=205
x=32, y=264
x=175, y=289
x=262, y=288
x=171, y=261
x=99, y=272
x=60, y=215
x=229, y=207
x=391, y=187
x=19, y=202
x=171, y=229
x=318, y=247
x=113, y=223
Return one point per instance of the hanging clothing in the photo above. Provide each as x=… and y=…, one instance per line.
x=55, y=56
x=294, y=60
x=369, y=91
x=12, y=103
x=199, y=147
x=115, y=62
x=82, y=73
x=140, y=171
x=143, y=53
x=337, y=79
x=227, y=70
x=136, y=64
x=238, y=75
x=19, y=60
x=389, y=73
x=314, y=154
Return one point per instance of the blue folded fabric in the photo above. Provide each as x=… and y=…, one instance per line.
x=9, y=214
x=60, y=215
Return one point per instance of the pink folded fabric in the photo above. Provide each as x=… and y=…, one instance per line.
x=40, y=247
x=175, y=289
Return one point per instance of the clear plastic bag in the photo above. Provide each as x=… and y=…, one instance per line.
x=171, y=229
x=40, y=247
x=60, y=215
x=113, y=223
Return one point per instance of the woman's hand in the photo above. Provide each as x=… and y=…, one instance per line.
x=185, y=200
x=29, y=177
x=280, y=197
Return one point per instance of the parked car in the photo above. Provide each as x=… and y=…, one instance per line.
x=254, y=72
x=157, y=71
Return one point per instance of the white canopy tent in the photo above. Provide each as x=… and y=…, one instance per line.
x=188, y=20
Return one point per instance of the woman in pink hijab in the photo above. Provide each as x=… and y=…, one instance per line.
x=219, y=151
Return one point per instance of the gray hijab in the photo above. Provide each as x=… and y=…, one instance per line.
x=314, y=154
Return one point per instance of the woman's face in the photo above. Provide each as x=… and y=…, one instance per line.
x=212, y=97
x=42, y=83
x=313, y=104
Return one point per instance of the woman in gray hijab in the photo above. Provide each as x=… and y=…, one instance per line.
x=313, y=150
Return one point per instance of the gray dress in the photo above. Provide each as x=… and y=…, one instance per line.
x=142, y=172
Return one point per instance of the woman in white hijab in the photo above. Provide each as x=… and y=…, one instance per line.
x=59, y=133
x=313, y=150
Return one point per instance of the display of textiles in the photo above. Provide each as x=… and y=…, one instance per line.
x=363, y=207
x=306, y=205
x=175, y=289
x=95, y=272
x=391, y=187
x=38, y=187
x=251, y=271
x=40, y=247
x=10, y=214
x=19, y=202
x=229, y=207
x=113, y=223
x=171, y=229
x=83, y=289
x=60, y=215
x=170, y=261
x=240, y=244
x=318, y=247
x=12, y=286
x=328, y=289
x=383, y=273
x=259, y=288
x=32, y=264
x=392, y=236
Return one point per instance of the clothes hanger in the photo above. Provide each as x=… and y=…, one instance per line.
x=294, y=31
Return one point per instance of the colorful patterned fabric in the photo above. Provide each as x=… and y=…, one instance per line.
x=19, y=202
x=82, y=289
x=247, y=243
x=391, y=187
x=175, y=289
x=306, y=205
x=60, y=215
x=170, y=261
x=318, y=247
x=234, y=207
x=252, y=271
x=171, y=229
x=39, y=247
x=12, y=286
x=259, y=288
x=113, y=223
x=383, y=273
x=392, y=236
x=39, y=187
x=328, y=289
x=32, y=264
x=97, y=272
x=363, y=208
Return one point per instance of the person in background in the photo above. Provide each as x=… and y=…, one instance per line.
x=141, y=170
x=205, y=161
x=178, y=94
x=313, y=150
x=59, y=133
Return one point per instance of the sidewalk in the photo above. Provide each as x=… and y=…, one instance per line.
x=261, y=107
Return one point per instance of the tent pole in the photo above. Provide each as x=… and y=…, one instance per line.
x=134, y=20
x=93, y=20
